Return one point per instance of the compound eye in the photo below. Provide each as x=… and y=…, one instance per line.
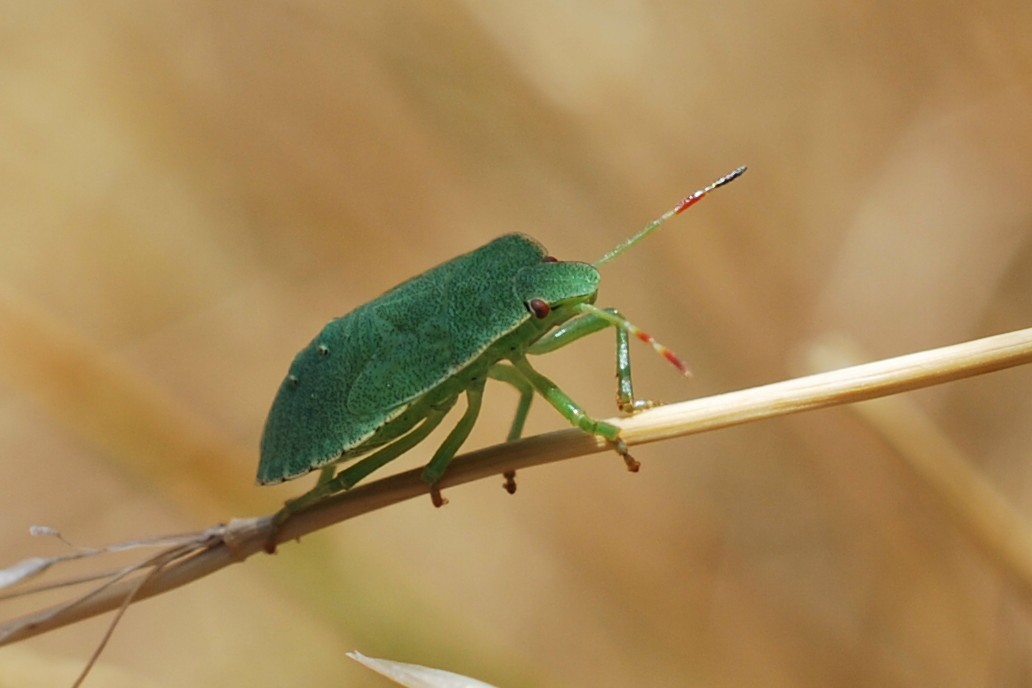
x=539, y=308
x=549, y=259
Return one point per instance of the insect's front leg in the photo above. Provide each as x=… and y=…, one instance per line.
x=592, y=321
x=573, y=412
x=624, y=386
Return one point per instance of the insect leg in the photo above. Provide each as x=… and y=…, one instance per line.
x=596, y=319
x=508, y=374
x=435, y=469
x=351, y=475
x=326, y=474
x=589, y=323
x=570, y=331
x=616, y=318
x=572, y=411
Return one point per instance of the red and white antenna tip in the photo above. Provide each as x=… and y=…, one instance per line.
x=677, y=209
x=698, y=195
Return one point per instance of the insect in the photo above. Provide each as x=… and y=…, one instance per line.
x=375, y=382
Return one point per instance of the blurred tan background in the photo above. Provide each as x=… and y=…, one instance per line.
x=189, y=190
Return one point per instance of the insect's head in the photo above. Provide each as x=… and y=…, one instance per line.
x=552, y=289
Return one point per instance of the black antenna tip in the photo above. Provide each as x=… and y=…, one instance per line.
x=730, y=176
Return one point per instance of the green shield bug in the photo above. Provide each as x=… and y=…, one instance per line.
x=375, y=382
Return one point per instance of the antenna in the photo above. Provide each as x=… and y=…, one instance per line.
x=685, y=203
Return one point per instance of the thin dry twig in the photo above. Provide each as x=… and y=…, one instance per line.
x=217, y=547
x=157, y=563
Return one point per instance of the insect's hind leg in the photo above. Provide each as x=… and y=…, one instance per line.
x=326, y=474
x=350, y=476
x=507, y=373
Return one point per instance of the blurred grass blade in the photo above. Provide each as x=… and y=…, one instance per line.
x=118, y=412
x=24, y=570
x=416, y=676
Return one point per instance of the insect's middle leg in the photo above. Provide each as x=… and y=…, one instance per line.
x=446, y=452
x=573, y=412
x=592, y=322
x=507, y=373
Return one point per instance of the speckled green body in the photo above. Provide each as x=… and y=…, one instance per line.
x=373, y=375
x=378, y=381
